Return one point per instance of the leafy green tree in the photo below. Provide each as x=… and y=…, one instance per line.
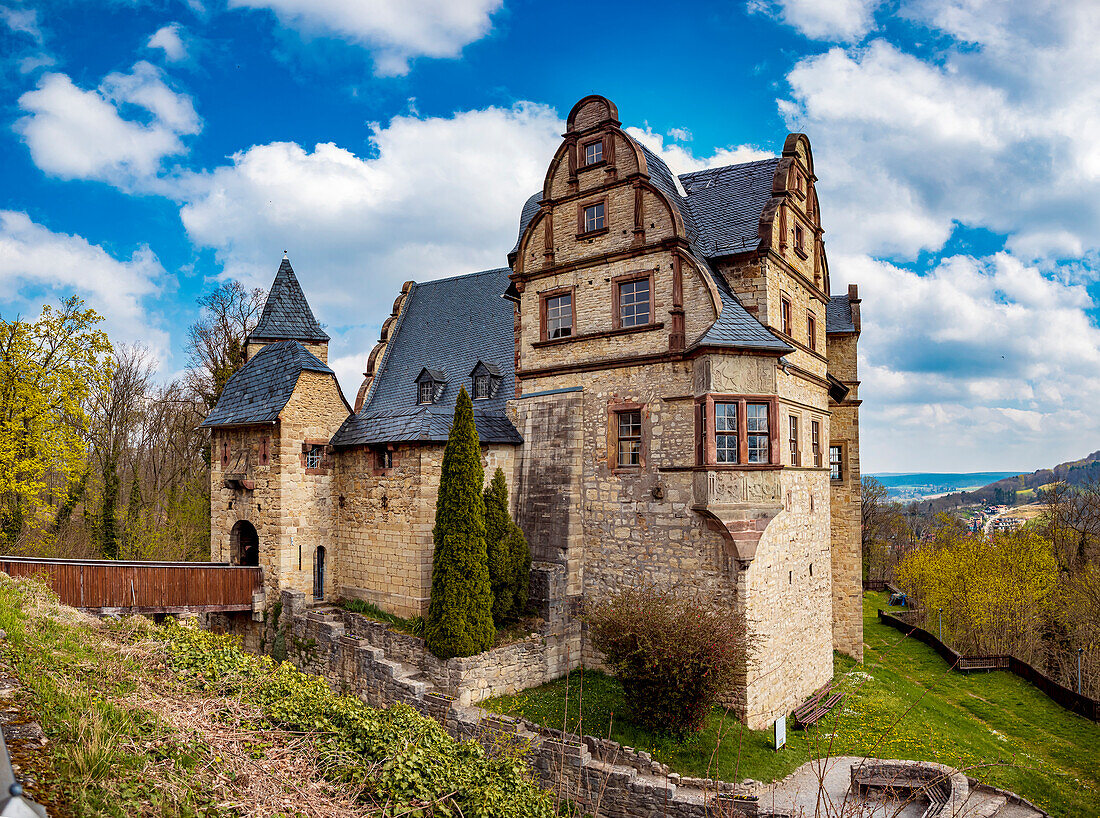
x=48, y=370
x=108, y=511
x=509, y=556
x=460, y=614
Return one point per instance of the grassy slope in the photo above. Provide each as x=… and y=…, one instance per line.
x=903, y=703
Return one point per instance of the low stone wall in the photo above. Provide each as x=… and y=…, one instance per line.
x=603, y=778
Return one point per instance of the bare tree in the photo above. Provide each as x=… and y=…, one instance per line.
x=216, y=342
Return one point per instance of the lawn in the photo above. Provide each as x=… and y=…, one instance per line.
x=901, y=703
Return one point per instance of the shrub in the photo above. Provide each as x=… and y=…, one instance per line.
x=460, y=614
x=509, y=555
x=675, y=655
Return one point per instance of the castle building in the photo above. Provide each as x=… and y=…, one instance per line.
x=661, y=373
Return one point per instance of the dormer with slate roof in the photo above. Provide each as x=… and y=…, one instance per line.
x=287, y=317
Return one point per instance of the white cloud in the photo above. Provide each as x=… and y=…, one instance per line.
x=395, y=30
x=169, y=39
x=980, y=363
x=22, y=21
x=987, y=133
x=42, y=262
x=78, y=134
x=681, y=160
x=437, y=197
x=842, y=20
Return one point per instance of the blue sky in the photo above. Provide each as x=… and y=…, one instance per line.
x=150, y=148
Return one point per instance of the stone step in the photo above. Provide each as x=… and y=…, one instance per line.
x=989, y=807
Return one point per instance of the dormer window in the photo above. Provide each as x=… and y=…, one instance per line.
x=486, y=379
x=593, y=152
x=430, y=384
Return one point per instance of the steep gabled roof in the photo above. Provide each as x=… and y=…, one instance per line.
x=286, y=314
x=446, y=327
x=259, y=391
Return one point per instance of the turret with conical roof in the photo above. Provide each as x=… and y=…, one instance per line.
x=287, y=317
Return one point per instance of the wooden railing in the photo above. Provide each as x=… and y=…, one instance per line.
x=143, y=587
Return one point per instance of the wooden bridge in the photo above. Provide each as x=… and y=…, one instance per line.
x=143, y=587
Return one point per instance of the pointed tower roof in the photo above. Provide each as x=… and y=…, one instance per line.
x=286, y=314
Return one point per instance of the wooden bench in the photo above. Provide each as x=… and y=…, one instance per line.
x=817, y=706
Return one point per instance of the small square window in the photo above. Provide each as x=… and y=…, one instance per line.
x=594, y=217
x=634, y=303
x=630, y=439
x=481, y=387
x=559, y=316
x=593, y=152
x=426, y=392
x=314, y=455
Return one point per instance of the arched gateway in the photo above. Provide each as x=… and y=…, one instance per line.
x=244, y=544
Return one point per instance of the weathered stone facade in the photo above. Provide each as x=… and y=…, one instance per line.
x=747, y=514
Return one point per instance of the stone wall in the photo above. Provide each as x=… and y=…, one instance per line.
x=600, y=776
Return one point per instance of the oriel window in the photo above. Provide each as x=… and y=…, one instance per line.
x=759, y=436
x=726, y=440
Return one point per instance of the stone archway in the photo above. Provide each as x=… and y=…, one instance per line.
x=244, y=544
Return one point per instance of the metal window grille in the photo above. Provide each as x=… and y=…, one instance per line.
x=313, y=457
x=634, y=303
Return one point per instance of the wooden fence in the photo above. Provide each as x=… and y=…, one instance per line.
x=1067, y=698
x=143, y=587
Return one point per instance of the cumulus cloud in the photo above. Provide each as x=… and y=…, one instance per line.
x=36, y=260
x=681, y=160
x=988, y=133
x=169, y=39
x=120, y=132
x=394, y=30
x=841, y=20
x=436, y=197
x=981, y=362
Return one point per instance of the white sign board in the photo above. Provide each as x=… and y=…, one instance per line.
x=780, y=731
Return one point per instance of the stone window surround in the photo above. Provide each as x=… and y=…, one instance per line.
x=544, y=296
x=616, y=285
x=583, y=153
x=382, y=460
x=843, y=446
x=785, y=315
x=811, y=330
x=613, y=411
x=599, y=231
x=794, y=436
x=815, y=441
x=325, y=466
x=706, y=449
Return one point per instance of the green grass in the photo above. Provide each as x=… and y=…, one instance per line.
x=413, y=626
x=902, y=703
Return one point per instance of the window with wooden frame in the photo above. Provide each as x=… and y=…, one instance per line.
x=592, y=218
x=792, y=440
x=836, y=462
x=785, y=315
x=629, y=438
x=815, y=442
x=736, y=430
x=811, y=331
x=425, y=392
x=557, y=314
x=592, y=152
x=800, y=239
x=633, y=301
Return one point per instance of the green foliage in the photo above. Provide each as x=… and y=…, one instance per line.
x=509, y=555
x=397, y=757
x=108, y=510
x=48, y=370
x=460, y=615
x=413, y=625
x=902, y=702
x=675, y=655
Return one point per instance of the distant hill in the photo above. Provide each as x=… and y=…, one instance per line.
x=920, y=485
x=1022, y=487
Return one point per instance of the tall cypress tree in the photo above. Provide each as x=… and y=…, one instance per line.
x=501, y=572
x=460, y=615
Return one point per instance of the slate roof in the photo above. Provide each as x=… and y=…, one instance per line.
x=286, y=313
x=259, y=391
x=446, y=325
x=736, y=327
x=838, y=315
